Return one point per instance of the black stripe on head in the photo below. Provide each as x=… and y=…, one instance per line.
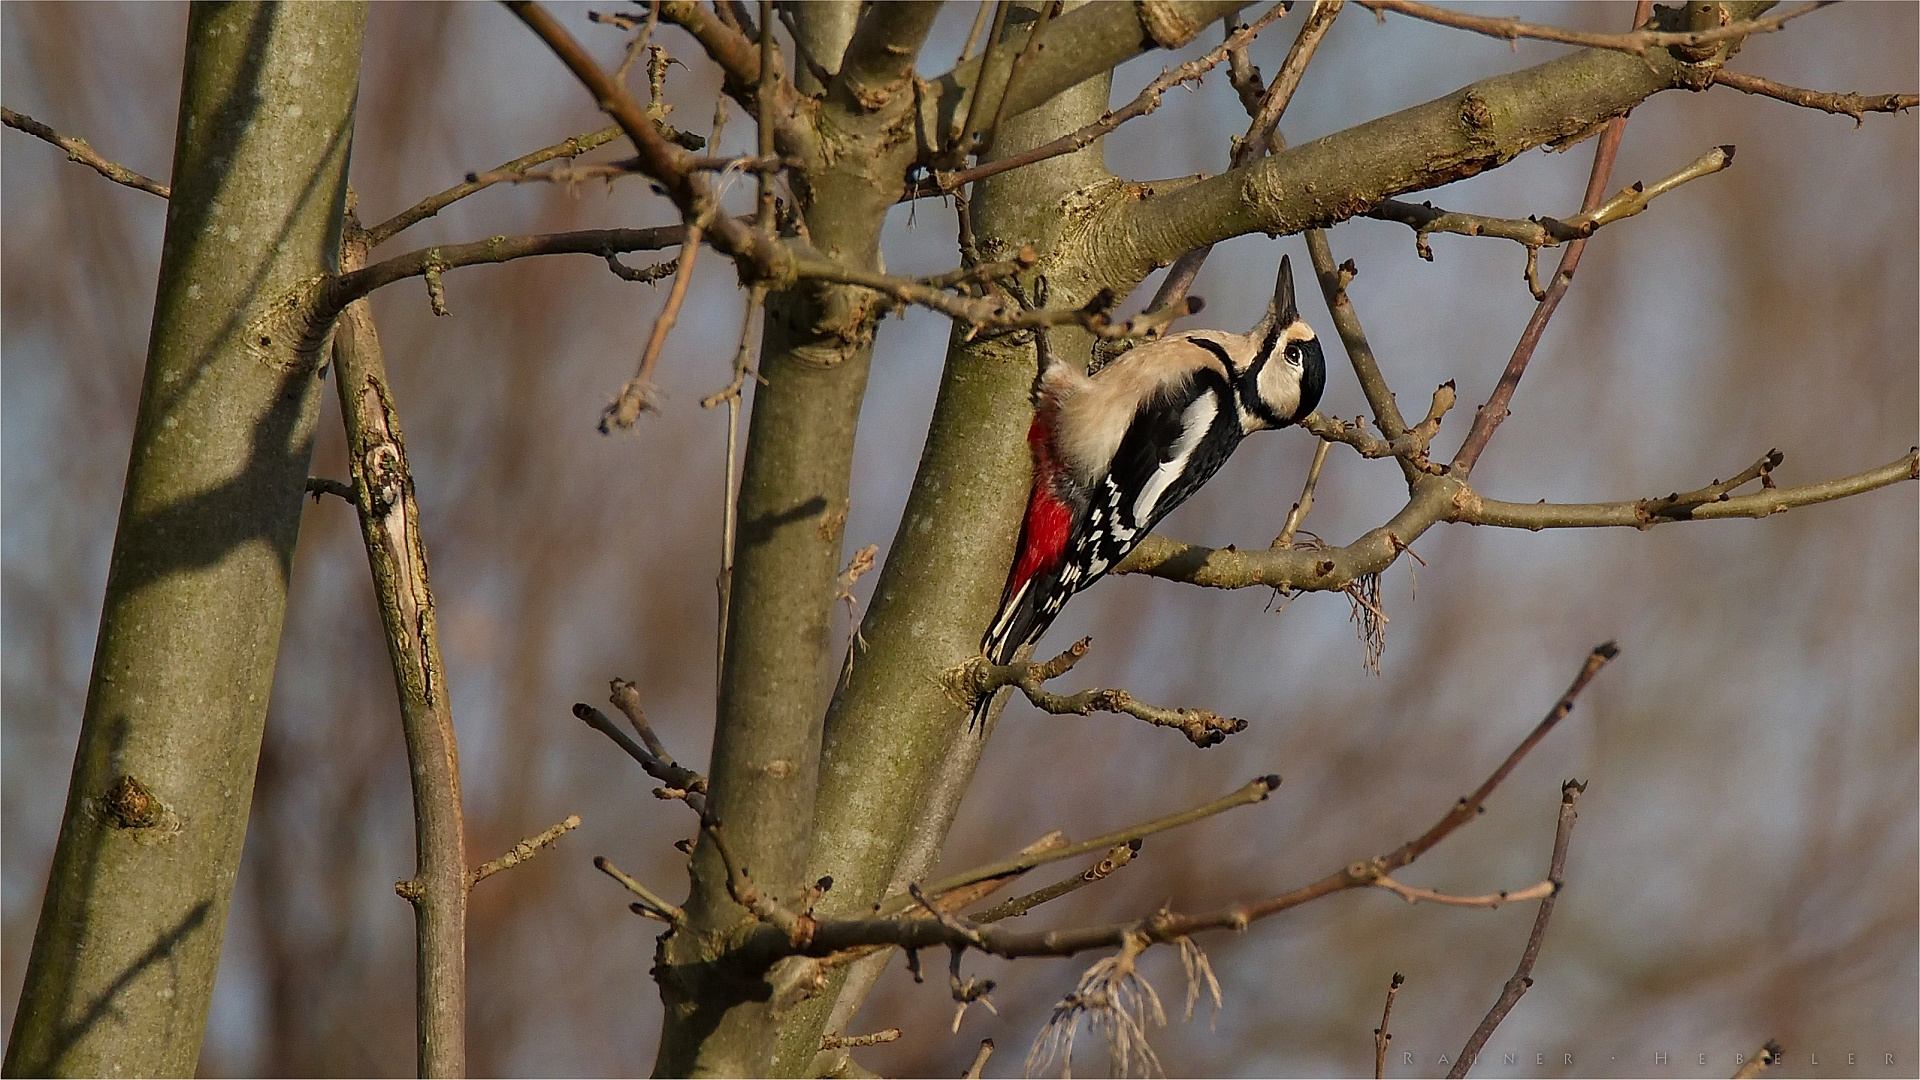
x=1313, y=378
x=1246, y=385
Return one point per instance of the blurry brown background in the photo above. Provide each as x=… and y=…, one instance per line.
x=1745, y=864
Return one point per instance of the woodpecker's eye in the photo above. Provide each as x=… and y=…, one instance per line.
x=1293, y=355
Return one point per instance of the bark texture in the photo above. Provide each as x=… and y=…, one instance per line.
x=124, y=957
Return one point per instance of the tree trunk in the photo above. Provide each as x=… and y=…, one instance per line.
x=122, y=970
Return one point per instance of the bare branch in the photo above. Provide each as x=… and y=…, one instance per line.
x=1415, y=895
x=571, y=147
x=758, y=254
x=1538, y=232
x=986, y=1047
x=1636, y=42
x=1487, y=420
x=1523, y=975
x=1304, y=505
x=636, y=396
x=1116, y=857
x=1381, y=1036
x=979, y=677
x=1853, y=105
x=682, y=783
x=837, y=1042
x=941, y=183
x=1766, y=1057
x=828, y=937
x=497, y=249
x=1709, y=503
x=1255, y=791
x=1262, y=135
x=78, y=151
x=650, y=903
x=522, y=851
x=320, y=485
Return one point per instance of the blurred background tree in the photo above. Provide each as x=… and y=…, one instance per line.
x=1746, y=866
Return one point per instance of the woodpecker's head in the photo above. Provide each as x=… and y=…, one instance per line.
x=1282, y=382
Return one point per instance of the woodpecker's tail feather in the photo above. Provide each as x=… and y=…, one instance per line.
x=981, y=707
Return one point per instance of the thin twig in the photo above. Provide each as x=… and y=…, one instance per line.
x=838, y=1042
x=1523, y=974
x=1381, y=1036
x=1305, y=505
x=979, y=1061
x=571, y=147
x=978, y=678
x=320, y=485
x=763, y=115
x=78, y=150
x=1048, y=9
x=650, y=902
x=1766, y=1057
x=963, y=136
x=888, y=927
x=682, y=783
x=1538, y=232
x=1149, y=99
x=1707, y=504
x=973, y=32
x=522, y=851
x=1488, y=418
x=1255, y=791
x=1853, y=105
x=636, y=396
x=730, y=506
x=1415, y=895
x=1116, y=857
x=1261, y=138
x=1637, y=42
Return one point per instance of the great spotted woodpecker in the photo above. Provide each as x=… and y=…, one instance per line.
x=1116, y=451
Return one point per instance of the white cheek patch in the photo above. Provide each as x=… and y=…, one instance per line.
x=1280, y=380
x=1194, y=424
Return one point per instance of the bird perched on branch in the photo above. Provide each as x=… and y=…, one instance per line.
x=1116, y=451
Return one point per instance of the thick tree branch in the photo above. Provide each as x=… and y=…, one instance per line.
x=879, y=60
x=1076, y=46
x=78, y=151
x=942, y=183
x=1263, y=135
x=1345, y=174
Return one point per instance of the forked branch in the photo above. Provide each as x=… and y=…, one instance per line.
x=978, y=678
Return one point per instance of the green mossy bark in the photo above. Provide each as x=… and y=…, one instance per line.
x=128, y=943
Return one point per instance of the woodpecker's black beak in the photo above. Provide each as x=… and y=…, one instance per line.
x=1283, y=293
